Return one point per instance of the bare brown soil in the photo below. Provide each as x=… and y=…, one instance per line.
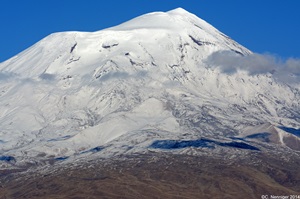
x=159, y=176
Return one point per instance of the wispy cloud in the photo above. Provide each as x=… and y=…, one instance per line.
x=115, y=75
x=6, y=75
x=123, y=75
x=230, y=62
x=47, y=77
x=293, y=65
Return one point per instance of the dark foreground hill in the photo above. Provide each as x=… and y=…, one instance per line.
x=159, y=176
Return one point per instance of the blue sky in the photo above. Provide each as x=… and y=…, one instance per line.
x=263, y=26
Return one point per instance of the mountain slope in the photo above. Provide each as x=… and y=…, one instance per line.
x=122, y=89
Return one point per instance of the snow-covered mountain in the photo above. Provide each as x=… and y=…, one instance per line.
x=143, y=85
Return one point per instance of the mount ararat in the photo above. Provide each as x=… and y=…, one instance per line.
x=149, y=85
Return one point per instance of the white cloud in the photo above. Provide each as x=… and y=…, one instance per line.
x=230, y=62
x=6, y=75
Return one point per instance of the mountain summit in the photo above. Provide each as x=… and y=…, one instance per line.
x=144, y=85
x=173, y=27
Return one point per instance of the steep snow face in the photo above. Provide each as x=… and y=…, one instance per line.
x=145, y=79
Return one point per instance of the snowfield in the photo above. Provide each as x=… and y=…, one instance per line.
x=119, y=90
